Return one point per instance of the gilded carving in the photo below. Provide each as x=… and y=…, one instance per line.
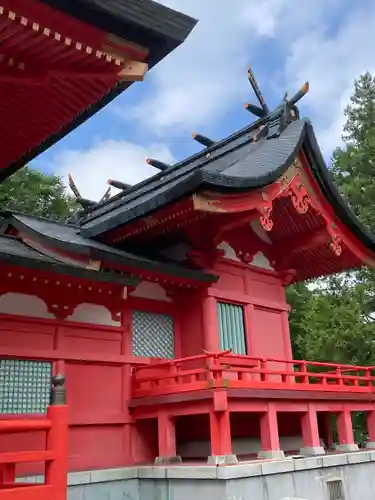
x=265, y=219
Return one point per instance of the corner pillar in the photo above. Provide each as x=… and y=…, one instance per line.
x=310, y=433
x=345, y=431
x=221, y=439
x=166, y=441
x=269, y=435
x=211, y=339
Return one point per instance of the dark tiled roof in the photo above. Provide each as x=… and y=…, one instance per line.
x=15, y=252
x=143, y=22
x=66, y=238
x=234, y=164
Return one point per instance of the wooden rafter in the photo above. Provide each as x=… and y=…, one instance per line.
x=14, y=70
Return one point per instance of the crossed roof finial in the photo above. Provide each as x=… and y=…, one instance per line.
x=263, y=110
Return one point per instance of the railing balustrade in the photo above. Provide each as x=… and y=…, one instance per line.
x=54, y=456
x=224, y=369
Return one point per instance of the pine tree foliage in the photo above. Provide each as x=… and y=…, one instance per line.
x=333, y=320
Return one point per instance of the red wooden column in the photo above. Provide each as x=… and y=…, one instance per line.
x=210, y=324
x=57, y=439
x=221, y=439
x=345, y=431
x=269, y=435
x=166, y=440
x=370, y=443
x=310, y=433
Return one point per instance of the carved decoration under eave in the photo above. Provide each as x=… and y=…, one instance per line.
x=299, y=195
x=266, y=209
x=336, y=243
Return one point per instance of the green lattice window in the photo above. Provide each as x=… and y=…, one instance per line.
x=24, y=386
x=153, y=335
x=232, y=327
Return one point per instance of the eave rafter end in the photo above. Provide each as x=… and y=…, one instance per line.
x=132, y=71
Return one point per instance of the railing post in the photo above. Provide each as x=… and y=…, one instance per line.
x=339, y=380
x=57, y=438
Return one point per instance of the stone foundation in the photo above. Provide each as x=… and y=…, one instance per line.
x=292, y=478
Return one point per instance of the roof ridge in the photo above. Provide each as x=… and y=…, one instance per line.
x=8, y=213
x=253, y=127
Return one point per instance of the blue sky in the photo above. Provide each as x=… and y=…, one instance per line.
x=202, y=86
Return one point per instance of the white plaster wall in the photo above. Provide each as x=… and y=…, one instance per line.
x=153, y=291
x=24, y=305
x=93, y=313
x=260, y=260
x=229, y=252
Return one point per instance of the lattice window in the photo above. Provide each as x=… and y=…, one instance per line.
x=232, y=327
x=335, y=490
x=25, y=386
x=153, y=335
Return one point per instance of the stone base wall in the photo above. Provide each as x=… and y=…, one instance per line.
x=290, y=479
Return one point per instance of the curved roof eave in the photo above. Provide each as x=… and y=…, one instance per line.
x=324, y=178
x=261, y=164
x=307, y=142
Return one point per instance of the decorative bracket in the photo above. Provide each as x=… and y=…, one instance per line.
x=336, y=243
x=299, y=195
x=265, y=211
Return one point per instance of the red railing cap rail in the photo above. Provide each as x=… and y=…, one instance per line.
x=229, y=354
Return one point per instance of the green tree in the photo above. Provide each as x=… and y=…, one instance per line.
x=334, y=321
x=36, y=193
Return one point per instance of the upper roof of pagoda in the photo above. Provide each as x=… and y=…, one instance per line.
x=63, y=60
x=265, y=188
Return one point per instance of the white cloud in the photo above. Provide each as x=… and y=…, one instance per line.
x=331, y=58
x=119, y=160
x=195, y=84
x=327, y=42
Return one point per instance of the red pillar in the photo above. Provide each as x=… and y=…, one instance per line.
x=166, y=440
x=221, y=439
x=57, y=441
x=345, y=431
x=310, y=433
x=210, y=324
x=269, y=435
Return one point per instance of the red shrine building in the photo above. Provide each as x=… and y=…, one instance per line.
x=163, y=307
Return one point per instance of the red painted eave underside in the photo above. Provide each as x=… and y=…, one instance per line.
x=301, y=243
x=50, y=72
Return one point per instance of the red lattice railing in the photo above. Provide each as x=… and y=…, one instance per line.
x=55, y=424
x=224, y=369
